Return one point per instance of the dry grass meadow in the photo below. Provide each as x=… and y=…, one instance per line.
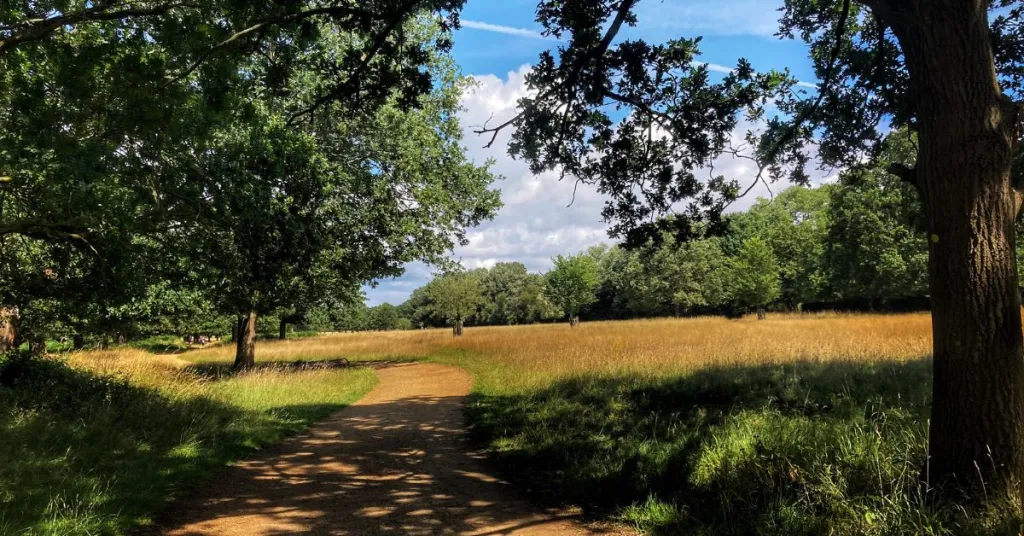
x=520, y=357
x=798, y=424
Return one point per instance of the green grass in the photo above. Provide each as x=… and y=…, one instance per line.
x=89, y=454
x=161, y=344
x=798, y=449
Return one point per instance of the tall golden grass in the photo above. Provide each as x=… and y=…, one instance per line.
x=260, y=390
x=540, y=353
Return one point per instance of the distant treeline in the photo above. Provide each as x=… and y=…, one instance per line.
x=855, y=245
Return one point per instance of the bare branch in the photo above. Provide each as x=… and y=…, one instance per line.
x=570, y=81
x=495, y=130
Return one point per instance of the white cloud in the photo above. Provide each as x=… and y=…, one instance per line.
x=537, y=221
x=717, y=68
x=714, y=67
x=508, y=30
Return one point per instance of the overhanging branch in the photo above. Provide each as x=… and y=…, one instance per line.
x=36, y=29
x=905, y=173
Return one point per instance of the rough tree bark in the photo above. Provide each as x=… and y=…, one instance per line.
x=9, y=336
x=968, y=133
x=245, y=347
x=37, y=345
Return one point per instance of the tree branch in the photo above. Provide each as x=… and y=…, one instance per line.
x=68, y=231
x=905, y=173
x=282, y=19
x=639, y=105
x=355, y=77
x=597, y=52
x=36, y=29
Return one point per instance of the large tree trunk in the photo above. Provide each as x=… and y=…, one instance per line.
x=245, y=347
x=968, y=137
x=9, y=336
x=457, y=328
x=37, y=345
x=282, y=329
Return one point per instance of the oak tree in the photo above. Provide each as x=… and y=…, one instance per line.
x=644, y=121
x=572, y=284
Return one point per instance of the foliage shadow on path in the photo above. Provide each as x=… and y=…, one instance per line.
x=397, y=467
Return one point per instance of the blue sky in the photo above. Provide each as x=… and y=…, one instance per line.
x=498, y=42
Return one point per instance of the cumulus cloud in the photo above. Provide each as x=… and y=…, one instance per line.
x=543, y=216
x=537, y=221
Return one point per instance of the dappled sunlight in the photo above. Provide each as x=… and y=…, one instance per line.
x=395, y=462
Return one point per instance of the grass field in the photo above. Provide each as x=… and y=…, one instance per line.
x=98, y=442
x=793, y=425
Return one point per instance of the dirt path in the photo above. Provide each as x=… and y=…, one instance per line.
x=395, y=462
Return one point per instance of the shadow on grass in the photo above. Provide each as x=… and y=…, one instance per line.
x=88, y=454
x=220, y=371
x=802, y=448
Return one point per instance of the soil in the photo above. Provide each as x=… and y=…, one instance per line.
x=395, y=462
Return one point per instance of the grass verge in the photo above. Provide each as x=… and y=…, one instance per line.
x=100, y=443
x=803, y=448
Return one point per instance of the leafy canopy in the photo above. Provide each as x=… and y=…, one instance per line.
x=573, y=282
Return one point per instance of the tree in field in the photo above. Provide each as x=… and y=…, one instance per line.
x=794, y=224
x=876, y=247
x=754, y=276
x=108, y=109
x=385, y=317
x=353, y=316
x=674, y=277
x=455, y=298
x=534, y=305
x=948, y=70
x=572, y=284
x=305, y=211
x=503, y=286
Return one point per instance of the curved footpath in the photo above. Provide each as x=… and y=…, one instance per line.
x=395, y=462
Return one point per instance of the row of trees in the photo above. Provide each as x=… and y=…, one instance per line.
x=858, y=243
x=195, y=168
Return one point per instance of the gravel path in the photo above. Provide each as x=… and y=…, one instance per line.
x=396, y=462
